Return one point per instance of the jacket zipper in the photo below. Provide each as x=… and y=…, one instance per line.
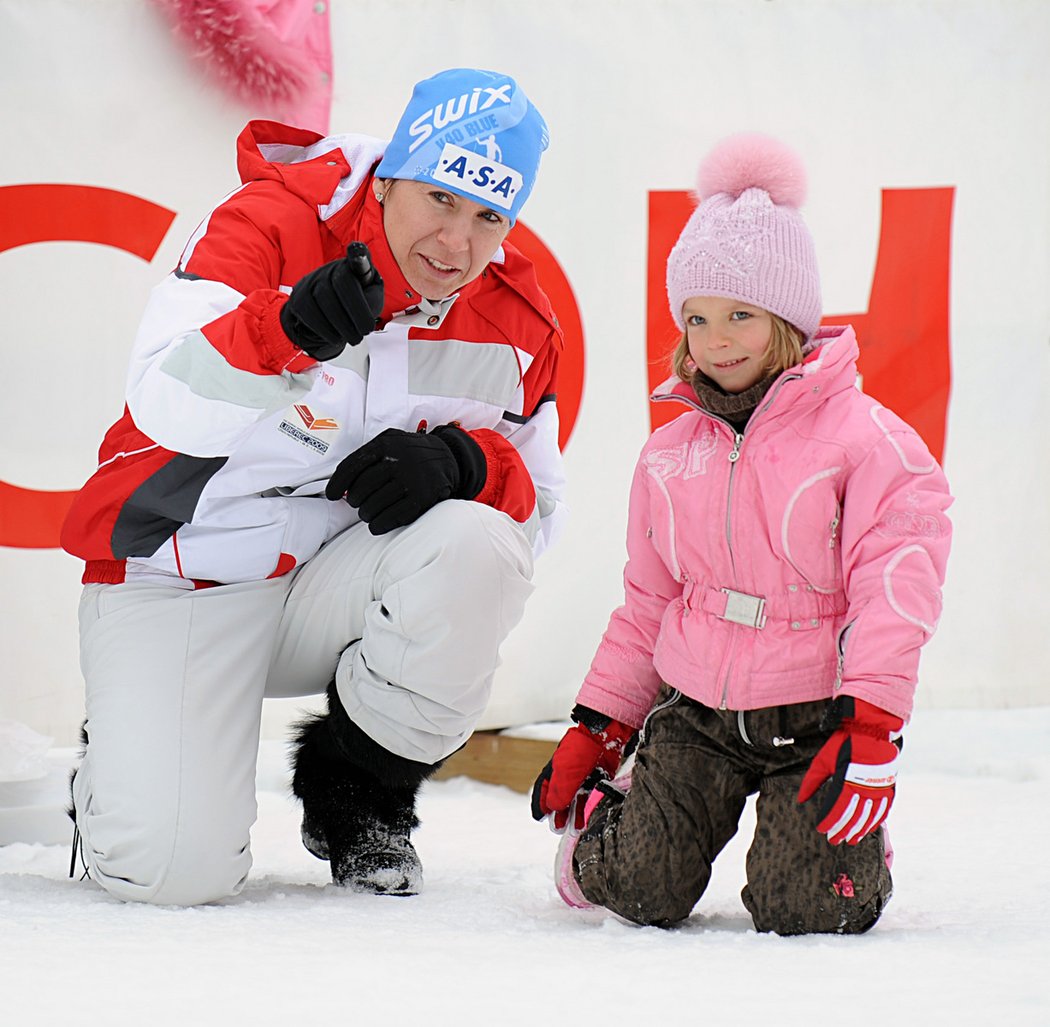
x=734, y=456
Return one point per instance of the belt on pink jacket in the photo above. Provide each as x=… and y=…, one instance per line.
x=800, y=605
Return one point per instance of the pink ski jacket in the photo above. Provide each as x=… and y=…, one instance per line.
x=799, y=560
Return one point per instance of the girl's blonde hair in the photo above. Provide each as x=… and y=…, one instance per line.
x=784, y=350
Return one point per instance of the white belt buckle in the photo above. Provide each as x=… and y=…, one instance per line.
x=744, y=609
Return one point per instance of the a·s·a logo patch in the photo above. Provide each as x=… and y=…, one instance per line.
x=306, y=426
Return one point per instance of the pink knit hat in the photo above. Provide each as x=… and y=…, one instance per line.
x=746, y=240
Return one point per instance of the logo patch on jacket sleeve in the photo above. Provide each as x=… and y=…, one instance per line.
x=301, y=423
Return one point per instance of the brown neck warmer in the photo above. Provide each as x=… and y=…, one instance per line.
x=734, y=407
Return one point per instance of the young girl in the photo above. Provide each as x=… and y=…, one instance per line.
x=786, y=546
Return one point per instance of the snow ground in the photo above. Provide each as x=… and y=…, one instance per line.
x=966, y=939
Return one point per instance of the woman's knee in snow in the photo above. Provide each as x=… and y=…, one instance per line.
x=177, y=860
x=183, y=880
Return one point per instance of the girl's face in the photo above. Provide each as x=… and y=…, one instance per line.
x=728, y=340
x=440, y=240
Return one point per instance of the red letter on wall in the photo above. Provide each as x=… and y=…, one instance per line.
x=904, y=335
x=555, y=284
x=31, y=518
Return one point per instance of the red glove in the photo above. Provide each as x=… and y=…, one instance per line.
x=584, y=756
x=860, y=760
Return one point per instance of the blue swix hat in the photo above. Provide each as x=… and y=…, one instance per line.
x=474, y=133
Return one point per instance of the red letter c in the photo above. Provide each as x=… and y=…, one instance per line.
x=31, y=518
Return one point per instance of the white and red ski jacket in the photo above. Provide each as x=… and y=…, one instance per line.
x=216, y=470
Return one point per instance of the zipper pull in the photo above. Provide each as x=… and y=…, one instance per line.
x=735, y=455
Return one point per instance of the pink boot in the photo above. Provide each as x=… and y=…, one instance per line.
x=564, y=879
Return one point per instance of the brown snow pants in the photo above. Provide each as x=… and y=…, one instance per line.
x=647, y=856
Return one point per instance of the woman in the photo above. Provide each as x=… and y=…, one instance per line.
x=337, y=460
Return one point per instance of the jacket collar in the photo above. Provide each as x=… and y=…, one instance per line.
x=307, y=164
x=830, y=364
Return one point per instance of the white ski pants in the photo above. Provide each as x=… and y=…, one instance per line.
x=408, y=623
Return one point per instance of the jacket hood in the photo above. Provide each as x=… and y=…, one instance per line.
x=325, y=171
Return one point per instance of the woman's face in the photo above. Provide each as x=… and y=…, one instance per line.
x=441, y=240
x=727, y=340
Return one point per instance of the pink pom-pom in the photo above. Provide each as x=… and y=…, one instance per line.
x=753, y=161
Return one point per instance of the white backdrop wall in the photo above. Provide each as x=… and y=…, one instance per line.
x=875, y=94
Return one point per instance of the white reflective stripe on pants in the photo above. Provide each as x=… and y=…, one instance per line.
x=175, y=680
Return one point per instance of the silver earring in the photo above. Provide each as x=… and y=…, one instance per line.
x=380, y=197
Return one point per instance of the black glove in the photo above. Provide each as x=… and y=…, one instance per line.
x=335, y=305
x=400, y=475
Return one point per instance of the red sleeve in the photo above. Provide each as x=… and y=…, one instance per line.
x=508, y=484
x=260, y=238
x=250, y=337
